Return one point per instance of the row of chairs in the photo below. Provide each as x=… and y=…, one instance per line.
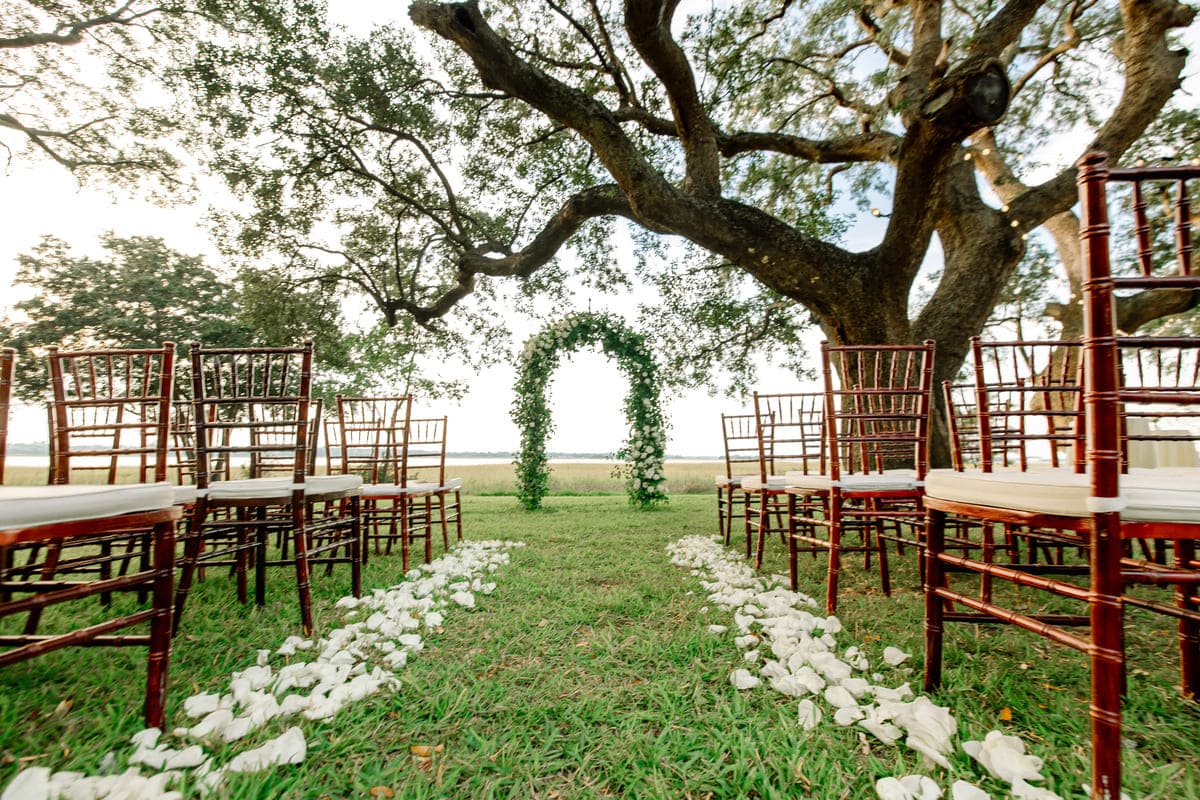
x=243, y=449
x=1075, y=469
x=1122, y=485
x=837, y=471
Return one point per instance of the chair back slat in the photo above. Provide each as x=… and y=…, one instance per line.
x=110, y=410
x=740, y=435
x=372, y=437
x=252, y=409
x=1028, y=403
x=426, y=457
x=877, y=402
x=790, y=430
x=1143, y=396
x=962, y=424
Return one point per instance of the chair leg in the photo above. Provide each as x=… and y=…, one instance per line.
x=445, y=529
x=1189, y=629
x=722, y=528
x=793, y=567
x=885, y=576
x=1107, y=654
x=191, y=550
x=303, y=589
x=428, y=528
x=49, y=568
x=262, y=536
x=458, y=513
x=935, y=540
x=357, y=551
x=746, y=525
x=764, y=522
x=405, y=521
x=835, y=552
x=160, y=625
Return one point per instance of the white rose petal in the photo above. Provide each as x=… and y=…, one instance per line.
x=961, y=790
x=742, y=679
x=809, y=715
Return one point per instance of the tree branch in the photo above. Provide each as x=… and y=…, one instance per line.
x=1152, y=75
x=1070, y=41
x=500, y=68
x=596, y=201
x=648, y=23
x=862, y=147
x=69, y=33
x=1004, y=28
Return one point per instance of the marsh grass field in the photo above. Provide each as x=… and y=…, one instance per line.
x=591, y=672
x=567, y=478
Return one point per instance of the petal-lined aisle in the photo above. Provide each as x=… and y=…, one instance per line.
x=796, y=653
x=350, y=663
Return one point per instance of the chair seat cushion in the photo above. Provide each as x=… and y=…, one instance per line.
x=1148, y=495
x=396, y=490
x=773, y=483
x=27, y=506
x=735, y=481
x=452, y=485
x=890, y=480
x=281, y=488
x=185, y=495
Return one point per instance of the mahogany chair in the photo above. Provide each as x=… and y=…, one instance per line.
x=250, y=407
x=740, y=434
x=1150, y=380
x=877, y=406
x=62, y=516
x=789, y=431
x=434, y=499
x=371, y=441
x=105, y=419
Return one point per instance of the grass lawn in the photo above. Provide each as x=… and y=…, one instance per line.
x=591, y=672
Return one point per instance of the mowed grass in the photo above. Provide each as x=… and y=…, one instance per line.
x=591, y=672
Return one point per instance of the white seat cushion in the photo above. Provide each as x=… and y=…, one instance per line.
x=330, y=484
x=890, y=480
x=382, y=490
x=281, y=488
x=1148, y=495
x=27, y=506
x=185, y=495
x=773, y=483
x=452, y=485
x=395, y=490
x=736, y=480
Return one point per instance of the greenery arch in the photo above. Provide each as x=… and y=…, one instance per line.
x=641, y=455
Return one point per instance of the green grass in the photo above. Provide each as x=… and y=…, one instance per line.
x=590, y=672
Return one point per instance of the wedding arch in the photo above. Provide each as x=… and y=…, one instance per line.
x=641, y=456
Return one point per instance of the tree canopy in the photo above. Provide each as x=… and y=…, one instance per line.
x=423, y=169
x=86, y=86
x=142, y=293
x=477, y=159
